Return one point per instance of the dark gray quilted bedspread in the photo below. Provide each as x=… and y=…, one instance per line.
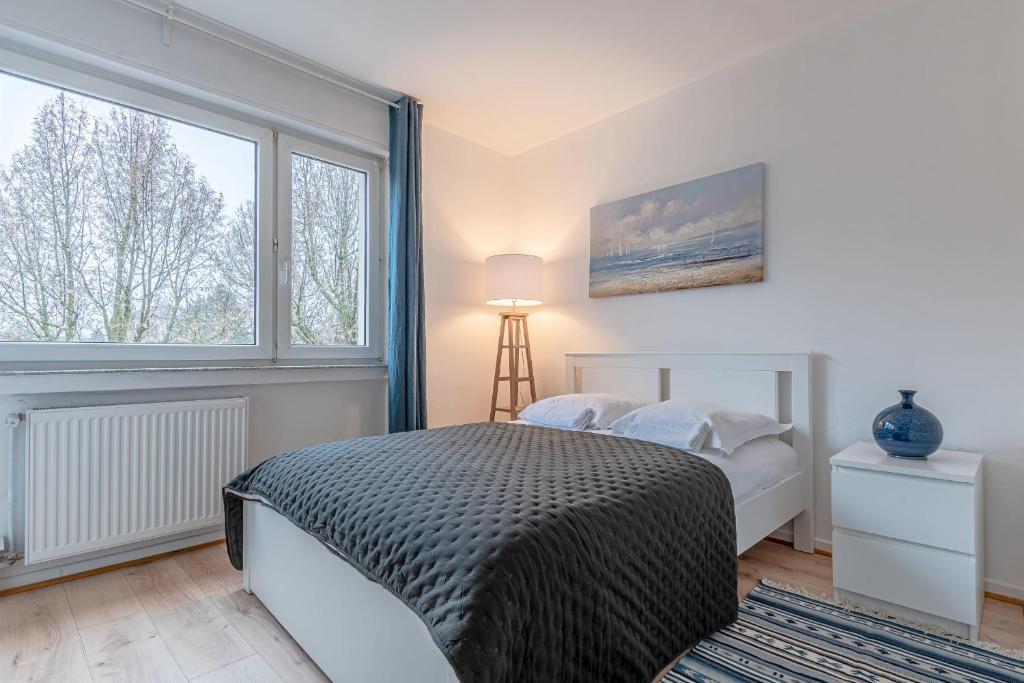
x=531, y=554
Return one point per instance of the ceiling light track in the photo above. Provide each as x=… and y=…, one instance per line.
x=172, y=14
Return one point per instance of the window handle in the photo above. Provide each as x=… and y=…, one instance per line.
x=283, y=273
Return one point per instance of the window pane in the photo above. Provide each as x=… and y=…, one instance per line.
x=328, y=254
x=117, y=225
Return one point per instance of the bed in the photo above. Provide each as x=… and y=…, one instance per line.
x=358, y=630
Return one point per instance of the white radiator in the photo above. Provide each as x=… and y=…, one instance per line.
x=105, y=476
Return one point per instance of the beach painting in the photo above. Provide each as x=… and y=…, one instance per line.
x=696, y=234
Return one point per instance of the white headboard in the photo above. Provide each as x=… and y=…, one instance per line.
x=777, y=385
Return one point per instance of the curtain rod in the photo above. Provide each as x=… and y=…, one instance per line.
x=170, y=17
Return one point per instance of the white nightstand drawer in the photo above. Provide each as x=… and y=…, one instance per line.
x=932, y=512
x=935, y=581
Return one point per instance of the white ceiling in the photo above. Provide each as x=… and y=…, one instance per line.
x=512, y=74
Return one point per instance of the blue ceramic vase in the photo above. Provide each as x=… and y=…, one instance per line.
x=906, y=430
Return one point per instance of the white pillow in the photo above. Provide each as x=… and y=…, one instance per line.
x=579, y=411
x=650, y=424
x=676, y=419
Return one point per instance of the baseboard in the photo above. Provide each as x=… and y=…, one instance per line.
x=17, y=577
x=1007, y=592
x=821, y=546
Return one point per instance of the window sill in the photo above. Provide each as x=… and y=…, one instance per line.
x=21, y=382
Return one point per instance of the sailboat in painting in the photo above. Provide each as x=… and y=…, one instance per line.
x=697, y=234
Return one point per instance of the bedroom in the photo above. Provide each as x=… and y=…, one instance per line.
x=887, y=134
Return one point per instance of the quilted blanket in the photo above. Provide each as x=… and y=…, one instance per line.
x=531, y=554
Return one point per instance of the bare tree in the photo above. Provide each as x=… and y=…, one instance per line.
x=226, y=314
x=236, y=256
x=45, y=208
x=154, y=216
x=327, y=228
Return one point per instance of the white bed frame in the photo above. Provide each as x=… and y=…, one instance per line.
x=776, y=385
x=357, y=631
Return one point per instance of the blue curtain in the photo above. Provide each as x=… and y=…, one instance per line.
x=407, y=391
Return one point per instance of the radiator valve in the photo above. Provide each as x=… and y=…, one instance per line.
x=6, y=551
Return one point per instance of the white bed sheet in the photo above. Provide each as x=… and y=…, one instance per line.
x=753, y=467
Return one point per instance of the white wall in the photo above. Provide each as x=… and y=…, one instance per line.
x=467, y=214
x=113, y=35
x=895, y=160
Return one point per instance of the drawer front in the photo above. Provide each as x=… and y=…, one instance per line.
x=928, y=511
x=935, y=581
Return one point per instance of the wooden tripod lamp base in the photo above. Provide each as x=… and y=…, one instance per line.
x=514, y=336
x=513, y=280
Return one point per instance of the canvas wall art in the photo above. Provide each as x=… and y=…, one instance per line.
x=696, y=234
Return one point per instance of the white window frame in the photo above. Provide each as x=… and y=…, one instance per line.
x=272, y=193
x=372, y=300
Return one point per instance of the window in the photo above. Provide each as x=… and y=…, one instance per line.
x=136, y=226
x=324, y=279
x=117, y=225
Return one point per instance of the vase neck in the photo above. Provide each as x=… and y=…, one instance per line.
x=908, y=397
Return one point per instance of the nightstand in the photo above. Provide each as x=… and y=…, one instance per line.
x=907, y=535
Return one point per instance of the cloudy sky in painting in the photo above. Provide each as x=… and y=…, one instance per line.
x=678, y=213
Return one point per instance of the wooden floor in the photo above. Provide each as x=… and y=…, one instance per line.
x=187, y=618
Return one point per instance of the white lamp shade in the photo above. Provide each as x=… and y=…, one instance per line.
x=514, y=280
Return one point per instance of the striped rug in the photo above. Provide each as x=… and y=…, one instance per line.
x=783, y=636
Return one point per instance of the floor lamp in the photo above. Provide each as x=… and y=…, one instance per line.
x=513, y=280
